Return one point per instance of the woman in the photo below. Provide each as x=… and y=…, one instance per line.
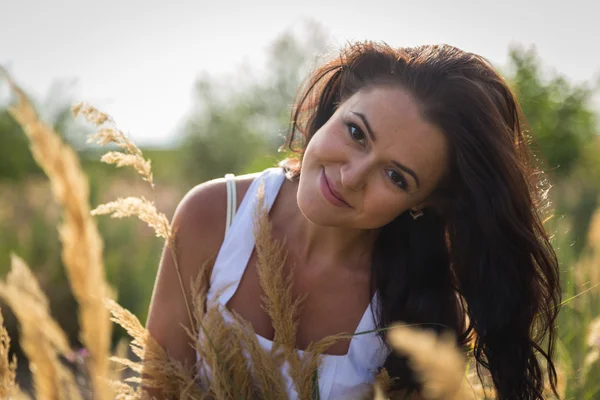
x=415, y=193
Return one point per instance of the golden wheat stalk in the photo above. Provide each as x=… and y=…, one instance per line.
x=277, y=300
x=379, y=393
x=42, y=339
x=276, y=284
x=155, y=367
x=229, y=370
x=233, y=362
x=309, y=365
x=593, y=342
x=8, y=368
x=82, y=243
x=435, y=359
x=142, y=208
x=381, y=386
x=226, y=369
x=111, y=134
x=123, y=391
x=226, y=361
x=230, y=374
x=265, y=366
x=137, y=206
x=132, y=160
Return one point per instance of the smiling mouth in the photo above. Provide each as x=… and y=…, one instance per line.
x=331, y=194
x=334, y=193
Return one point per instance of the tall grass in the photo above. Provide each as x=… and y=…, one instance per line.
x=235, y=366
x=81, y=242
x=579, y=337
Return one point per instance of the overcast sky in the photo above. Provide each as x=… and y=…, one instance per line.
x=138, y=59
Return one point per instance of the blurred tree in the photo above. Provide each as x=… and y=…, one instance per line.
x=237, y=127
x=565, y=126
x=16, y=163
x=559, y=113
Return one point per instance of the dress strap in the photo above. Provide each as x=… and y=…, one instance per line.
x=231, y=200
x=238, y=244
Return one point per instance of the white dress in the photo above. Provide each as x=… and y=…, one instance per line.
x=340, y=377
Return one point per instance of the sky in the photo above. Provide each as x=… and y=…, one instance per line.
x=138, y=60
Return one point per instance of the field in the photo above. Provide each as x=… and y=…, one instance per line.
x=60, y=320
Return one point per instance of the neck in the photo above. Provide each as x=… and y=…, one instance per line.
x=322, y=245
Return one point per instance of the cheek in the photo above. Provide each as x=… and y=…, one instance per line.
x=328, y=141
x=381, y=209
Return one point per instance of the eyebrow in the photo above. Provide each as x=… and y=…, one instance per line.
x=396, y=163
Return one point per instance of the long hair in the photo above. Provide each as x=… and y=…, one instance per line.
x=480, y=261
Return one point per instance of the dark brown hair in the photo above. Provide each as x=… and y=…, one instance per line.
x=479, y=261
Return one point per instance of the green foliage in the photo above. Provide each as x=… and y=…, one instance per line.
x=236, y=125
x=233, y=125
x=224, y=142
x=559, y=113
x=581, y=295
x=565, y=127
x=16, y=163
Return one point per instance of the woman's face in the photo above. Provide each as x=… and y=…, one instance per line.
x=378, y=154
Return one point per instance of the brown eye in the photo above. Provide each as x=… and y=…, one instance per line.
x=356, y=134
x=397, y=179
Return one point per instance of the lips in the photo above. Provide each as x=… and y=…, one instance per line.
x=331, y=194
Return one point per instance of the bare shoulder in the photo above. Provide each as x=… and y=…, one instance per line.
x=200, y=216
x=199, y=226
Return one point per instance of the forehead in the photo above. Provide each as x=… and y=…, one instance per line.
x=401, y=132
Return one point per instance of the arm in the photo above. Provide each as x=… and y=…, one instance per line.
x=199, y=223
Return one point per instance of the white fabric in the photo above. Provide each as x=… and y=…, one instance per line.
x=231, y=200
x=340, y=377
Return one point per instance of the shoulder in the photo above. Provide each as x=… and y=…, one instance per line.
x=199, y=228
x=201, y=214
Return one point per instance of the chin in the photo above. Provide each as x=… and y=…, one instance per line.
x=312, y=205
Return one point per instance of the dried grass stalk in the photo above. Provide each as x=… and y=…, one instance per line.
x=593, y=337
x=199, y=291
x=381, y=386
x=82, y=244
x=112, y=134
x=561, y=384
x=8, y=368
x=265, y=366
x=379, y=393
x=140, y=207
x=234, y=365
x=123, y=391
x=42, y=339
x=435, y=359
x=91, y=114
x=30, y=305
x=587, y=272
x=276, y=284
x=383, y=380
x=131, y=206
x=593, y=342
x=226, y=369
x=157, y=369
x=141, y=165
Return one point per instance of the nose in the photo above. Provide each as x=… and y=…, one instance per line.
x=353, y=175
